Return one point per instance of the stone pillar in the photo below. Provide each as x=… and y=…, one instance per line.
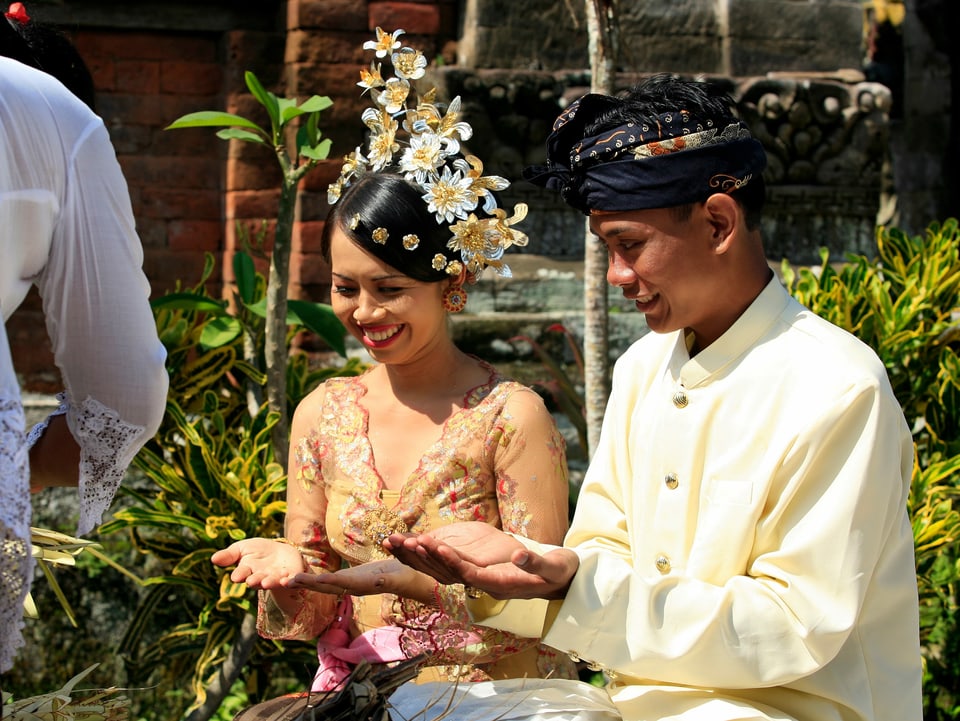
x=930, y=125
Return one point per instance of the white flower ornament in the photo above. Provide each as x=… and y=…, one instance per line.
x=453, y=186
x=385, y=43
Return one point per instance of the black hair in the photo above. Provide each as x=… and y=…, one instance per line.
x=665, y=93
x=390, y=202
x=705, y=102
x=45, y=48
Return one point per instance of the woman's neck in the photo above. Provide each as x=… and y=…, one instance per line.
x=447, y=371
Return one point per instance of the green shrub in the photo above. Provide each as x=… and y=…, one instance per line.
x=213, y=478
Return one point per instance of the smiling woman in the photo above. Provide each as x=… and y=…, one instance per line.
x=428, y=436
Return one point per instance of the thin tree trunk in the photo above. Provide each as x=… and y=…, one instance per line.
x=604, y=45
x=229, y=672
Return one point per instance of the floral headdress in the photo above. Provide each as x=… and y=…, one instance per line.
x=412, y=132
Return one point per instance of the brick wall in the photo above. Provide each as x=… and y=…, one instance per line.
x=153, y=62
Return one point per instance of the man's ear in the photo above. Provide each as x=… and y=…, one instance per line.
x=725, y=217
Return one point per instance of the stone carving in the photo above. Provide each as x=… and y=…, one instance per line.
x=826, y=143
x=819, y=132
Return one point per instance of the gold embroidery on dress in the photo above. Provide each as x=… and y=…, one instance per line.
x=377, y=524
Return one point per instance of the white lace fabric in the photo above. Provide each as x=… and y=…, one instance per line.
x=107, y=446
x=16, y=562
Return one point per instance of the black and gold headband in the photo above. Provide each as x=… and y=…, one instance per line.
x=635, y=167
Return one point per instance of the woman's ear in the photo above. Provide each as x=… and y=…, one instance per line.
x=725, y=217
x=453, y=281
x=462, y=277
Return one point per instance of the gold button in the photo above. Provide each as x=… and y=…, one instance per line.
x=671, y=481
x=663, y=564
x=680, y=399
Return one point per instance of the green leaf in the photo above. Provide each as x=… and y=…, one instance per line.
x=219, y=331
x=317, y=152
x=159, y=519
x=313, y=129
x=240, y=134
x=316, y=103
x=288, y=110
x=189, y=301
x=267, y=99
x=212, y=119
x=320, y=319
x=245, y=274
x=259, y=308
x=172, y=332
x=251, y=372
x=949, y=370
x=190, y=583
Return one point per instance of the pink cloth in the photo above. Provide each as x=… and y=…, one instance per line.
x=336, y=653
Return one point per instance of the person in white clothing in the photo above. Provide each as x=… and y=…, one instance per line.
x=741, y=548
x=67, y=227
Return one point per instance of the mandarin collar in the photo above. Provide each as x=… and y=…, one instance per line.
x=738, y=338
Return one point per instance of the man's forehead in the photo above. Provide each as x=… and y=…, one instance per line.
x=613, y=225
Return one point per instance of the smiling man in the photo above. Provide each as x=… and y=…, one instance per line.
x=741, y=547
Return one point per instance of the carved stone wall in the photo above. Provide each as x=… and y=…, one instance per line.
x=826, y=141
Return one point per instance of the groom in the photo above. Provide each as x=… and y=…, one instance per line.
x=741, y=547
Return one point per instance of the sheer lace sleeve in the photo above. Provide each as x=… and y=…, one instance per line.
x=531, y=468
x=107, y=447
x=306, y=510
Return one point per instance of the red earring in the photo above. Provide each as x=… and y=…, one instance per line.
x=454, y=299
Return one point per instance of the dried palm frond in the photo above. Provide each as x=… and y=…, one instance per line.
x=69, y=704
x=52, y=548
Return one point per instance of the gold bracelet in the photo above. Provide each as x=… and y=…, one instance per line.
x=472, y=592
